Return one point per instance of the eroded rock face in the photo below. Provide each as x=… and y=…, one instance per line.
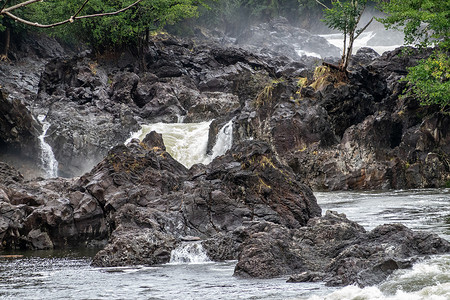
x=353, y=134
x=245, y=205
x=19, y=84
x=141, y=186
x=47, y=214
x=250, y=204
x=94, y=104
x=333, y=249
x=18, y=130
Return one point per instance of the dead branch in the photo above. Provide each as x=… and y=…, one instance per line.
x=4, y=5
x=80, y=9
x=322, y=4
x=363, y=29
x=6, y=12
x=18, y=6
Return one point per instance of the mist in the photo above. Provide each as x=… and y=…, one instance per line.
x=299, y=35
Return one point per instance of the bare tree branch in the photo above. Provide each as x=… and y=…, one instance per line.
x=70, y=20
x=80, y=9
x=363, y=29
x=322, y=4
x=18, y=6
x=4, y=5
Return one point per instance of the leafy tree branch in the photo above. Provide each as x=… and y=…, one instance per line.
x=424, y=23
x=345, y=17
x=7, y=12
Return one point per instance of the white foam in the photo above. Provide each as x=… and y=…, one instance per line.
x=301, y=52
x=189, y=253
x=224, y=141
x=427, y=280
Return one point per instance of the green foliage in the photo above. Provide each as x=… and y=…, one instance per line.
x=124, y=29
x=424, y=22
x=344, y=16
x=429, y=81
x=7, y=22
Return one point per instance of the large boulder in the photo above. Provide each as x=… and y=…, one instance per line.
x=142, y=186
x=47, y=214
x=335, y=250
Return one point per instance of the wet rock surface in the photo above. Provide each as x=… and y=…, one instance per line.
x=336, y=134
x=253, y=203
x=245, y=205
x=335, y=250
x=94, y=103
x=354, y=133
x=139, y=191
x=279, y=37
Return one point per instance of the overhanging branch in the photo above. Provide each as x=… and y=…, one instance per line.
x=322, y=4
x=363, y=29
x=7, y=12
x=11, y=8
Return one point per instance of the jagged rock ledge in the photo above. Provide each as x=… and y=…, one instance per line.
x=245, y=205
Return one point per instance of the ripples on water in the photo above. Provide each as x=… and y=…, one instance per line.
x=423, y=209
x=56, y=275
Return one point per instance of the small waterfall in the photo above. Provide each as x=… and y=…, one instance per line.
x=187, y=142
x=48, y=160
x=189, y=253
x=180, y=118
x=224, y=142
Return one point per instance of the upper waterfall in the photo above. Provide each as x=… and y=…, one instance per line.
x=48, y=160
x=187, y=142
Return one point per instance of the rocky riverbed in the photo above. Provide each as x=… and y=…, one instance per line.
x=294, y=129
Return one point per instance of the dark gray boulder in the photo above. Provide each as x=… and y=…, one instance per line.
x=335, y=250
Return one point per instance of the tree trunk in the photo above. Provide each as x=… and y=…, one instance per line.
x=4, y=55
x=349, y=51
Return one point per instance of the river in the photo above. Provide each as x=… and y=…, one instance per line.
x=68, y=275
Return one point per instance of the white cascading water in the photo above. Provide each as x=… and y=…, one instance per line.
x=187, y=142
x=48, y=160
x=337, y=39
x=224, y=141
x=189, y=253
x=302, y=52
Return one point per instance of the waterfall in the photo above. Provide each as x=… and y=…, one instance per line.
x=188, y=142
x=224, y=142
x=180, y=118
x=189, y=253
x=48, y=160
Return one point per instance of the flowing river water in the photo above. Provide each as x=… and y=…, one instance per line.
x=68, y=275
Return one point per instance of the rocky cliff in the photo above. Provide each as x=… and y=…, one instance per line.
x=295, y=127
